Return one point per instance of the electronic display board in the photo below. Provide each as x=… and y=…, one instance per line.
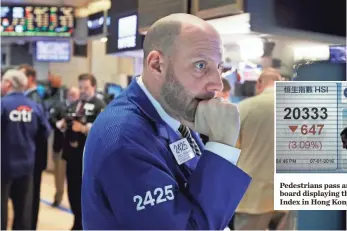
x=53, y=51
x=310, y=145
x=309, y=120
x=33, y=20
x=127, y=32
x=96, y=23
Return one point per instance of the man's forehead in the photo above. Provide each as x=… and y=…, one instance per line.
x=200, y=47
x=208, y=53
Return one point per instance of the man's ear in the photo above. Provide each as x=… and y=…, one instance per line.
x=155, y=62
x=7, y=84
x=30, y=79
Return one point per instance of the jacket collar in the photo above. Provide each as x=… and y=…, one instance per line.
x=14, y=93
x=31, y=90
x=136, y=95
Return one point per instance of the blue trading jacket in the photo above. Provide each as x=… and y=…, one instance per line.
x=131, y=179
x=21, y=121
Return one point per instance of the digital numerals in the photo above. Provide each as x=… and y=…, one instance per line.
x=180, y=147
x=312, y=129
x=160, y=195
x=305, y=113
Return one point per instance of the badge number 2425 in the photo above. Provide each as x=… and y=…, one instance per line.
x=158, y=193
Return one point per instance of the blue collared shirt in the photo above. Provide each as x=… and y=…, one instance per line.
x=227, y=152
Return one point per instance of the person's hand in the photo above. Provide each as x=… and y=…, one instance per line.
x=77, y=126
x=217, y=119
x=61, y=124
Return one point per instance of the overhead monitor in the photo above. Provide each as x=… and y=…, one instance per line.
x=34, y=20
x=123, y=35
x=96, y=23
x=53, y=51
x=127, y=32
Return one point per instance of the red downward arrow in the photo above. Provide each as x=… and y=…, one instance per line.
x=293, y=128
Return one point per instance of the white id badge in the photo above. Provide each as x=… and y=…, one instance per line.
x=182, y=151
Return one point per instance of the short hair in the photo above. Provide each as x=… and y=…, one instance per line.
x=5, y=69
x=269, y=75
x=17, y=78
x=29, y=70
x=161, y=37
x=226, y=85
x=87, y=76
x=344, y=132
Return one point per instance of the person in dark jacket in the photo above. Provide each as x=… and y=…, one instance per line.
x=22, y=120
x=81, y=115
x=57, y=112
x=55, y=91
x=41, y=142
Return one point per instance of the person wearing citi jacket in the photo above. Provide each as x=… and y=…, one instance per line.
x=22, y=120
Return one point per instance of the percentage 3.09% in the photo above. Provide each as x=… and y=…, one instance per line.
x=305, y=145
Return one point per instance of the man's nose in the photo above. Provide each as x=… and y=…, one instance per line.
x=215, y=82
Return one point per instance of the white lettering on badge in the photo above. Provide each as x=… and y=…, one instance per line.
x=155, y=197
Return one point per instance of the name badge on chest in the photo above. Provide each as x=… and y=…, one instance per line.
x=89, y=107
x=182, y=151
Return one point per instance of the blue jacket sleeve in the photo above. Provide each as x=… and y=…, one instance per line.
x=143, y=194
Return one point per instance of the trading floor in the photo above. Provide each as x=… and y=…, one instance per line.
x=50, y=218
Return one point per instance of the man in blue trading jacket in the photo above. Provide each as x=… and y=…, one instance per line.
x=21, y=121
x=143, y=168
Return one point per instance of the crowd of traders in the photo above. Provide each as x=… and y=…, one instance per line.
x=28, y=118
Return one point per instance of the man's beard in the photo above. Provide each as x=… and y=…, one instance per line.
x=180, y=103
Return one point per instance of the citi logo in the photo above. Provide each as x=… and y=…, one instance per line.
x=21, y=114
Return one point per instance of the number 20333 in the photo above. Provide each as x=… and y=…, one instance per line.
x=160, y=195
x=305, y=113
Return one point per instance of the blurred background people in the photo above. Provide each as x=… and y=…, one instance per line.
x=225, y=92
x=76, y=124
x=256, y=141
x=58, y=112
x=41, y=142
x=55, y=92
x=22, y=120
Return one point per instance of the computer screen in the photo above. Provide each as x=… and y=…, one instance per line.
x=114, y=89
x=53, y=51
